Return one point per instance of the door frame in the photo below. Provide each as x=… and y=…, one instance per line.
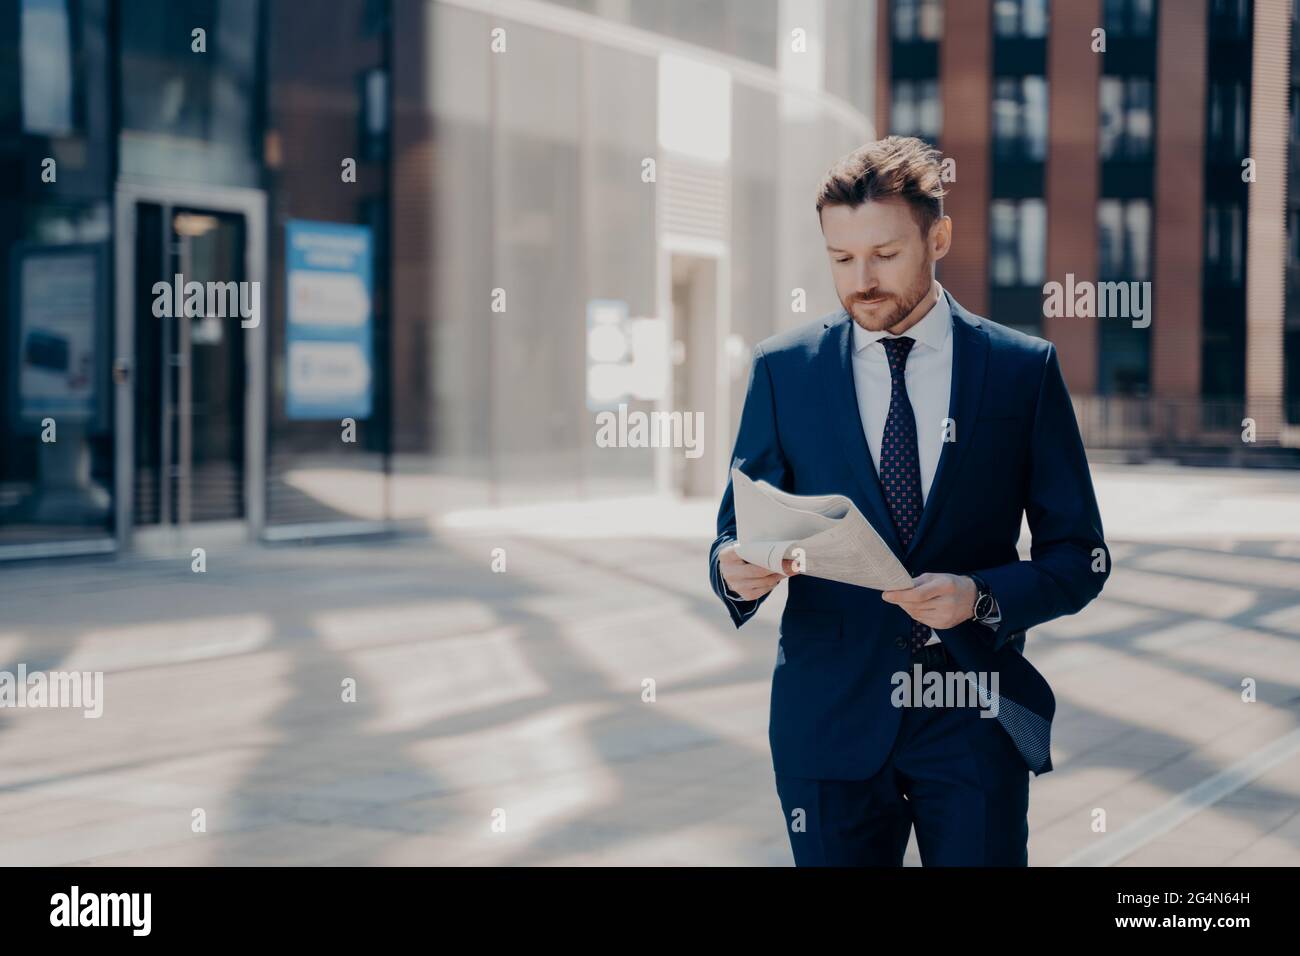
x=251, y=204
x=717, y=417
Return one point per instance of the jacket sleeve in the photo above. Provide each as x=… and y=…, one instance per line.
x=1069, y=561
x=757, y=453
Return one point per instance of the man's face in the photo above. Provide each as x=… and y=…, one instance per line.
x=883, y=267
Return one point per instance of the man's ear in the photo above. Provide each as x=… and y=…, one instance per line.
x=940, y=238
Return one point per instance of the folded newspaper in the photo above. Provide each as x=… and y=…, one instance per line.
x=826, y=535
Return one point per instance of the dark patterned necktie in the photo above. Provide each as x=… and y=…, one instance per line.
x=900, y=462
x=1025, y=704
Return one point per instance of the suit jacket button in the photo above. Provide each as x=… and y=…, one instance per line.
x=900, y=642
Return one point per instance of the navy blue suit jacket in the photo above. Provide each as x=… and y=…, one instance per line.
x=1017, y=450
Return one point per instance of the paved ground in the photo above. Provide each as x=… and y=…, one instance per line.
x=517, y=696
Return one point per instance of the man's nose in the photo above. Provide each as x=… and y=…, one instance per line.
x=867, y=281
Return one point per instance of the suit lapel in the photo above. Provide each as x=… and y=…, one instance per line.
x=836, y=360
x=970, y=347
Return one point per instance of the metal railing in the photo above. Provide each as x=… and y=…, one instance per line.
x=1129, y=423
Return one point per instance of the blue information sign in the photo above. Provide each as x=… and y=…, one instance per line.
x=328, y=334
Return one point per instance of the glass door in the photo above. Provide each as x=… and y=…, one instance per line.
x=191, y=299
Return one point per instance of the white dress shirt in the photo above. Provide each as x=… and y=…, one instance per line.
x=928, y=376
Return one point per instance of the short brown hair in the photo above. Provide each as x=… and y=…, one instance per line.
x=901, y=166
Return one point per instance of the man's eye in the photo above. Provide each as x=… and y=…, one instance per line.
x=849, y=259
x=890, y=256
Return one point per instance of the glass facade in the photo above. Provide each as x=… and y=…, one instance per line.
x=1128, y=18
x=1227, y=141
x=1126, y=126
x=56, y=413
x=545, y=214
x=1020, y=18
x=917, y=19
x=1124, y=247
x=188, y=85
x=326, y=176
x=916, y=109
x=411, y=251
x=1126, y=204
x=915, y=103
x=1020, y=119
x=1124, y=239
x=1017, y=250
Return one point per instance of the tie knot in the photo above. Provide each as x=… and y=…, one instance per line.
x=896, y=350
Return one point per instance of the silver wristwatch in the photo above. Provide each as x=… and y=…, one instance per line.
x=986, y=605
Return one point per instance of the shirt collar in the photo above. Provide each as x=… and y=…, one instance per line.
x=932, y=330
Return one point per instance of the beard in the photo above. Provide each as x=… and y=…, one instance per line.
x=898, y=305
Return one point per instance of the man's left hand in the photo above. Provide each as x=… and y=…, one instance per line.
x=937, y=599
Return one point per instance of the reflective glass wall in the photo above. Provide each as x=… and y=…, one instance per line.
x=56, y=162
x=190, y=94
x=327, y=167
x=469, y=255
x=524, y=217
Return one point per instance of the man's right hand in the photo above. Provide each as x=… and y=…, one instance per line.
x=749, y=581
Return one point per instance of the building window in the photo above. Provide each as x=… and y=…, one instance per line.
x=916, y=109
x=918, y=19
x=192, y=117
x=1020, y=118
x=48, y=57
x=1129, y=18
x=1230, y=18
x=1125, y=118
x=1123, y=360
x=376, y=17
x=372, y=87
x=1124, y=239
x=1224, y=244
x=1018, y=229
x=1227, y=133
x=1020, y=18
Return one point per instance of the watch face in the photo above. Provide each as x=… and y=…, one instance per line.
x=983, y=605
